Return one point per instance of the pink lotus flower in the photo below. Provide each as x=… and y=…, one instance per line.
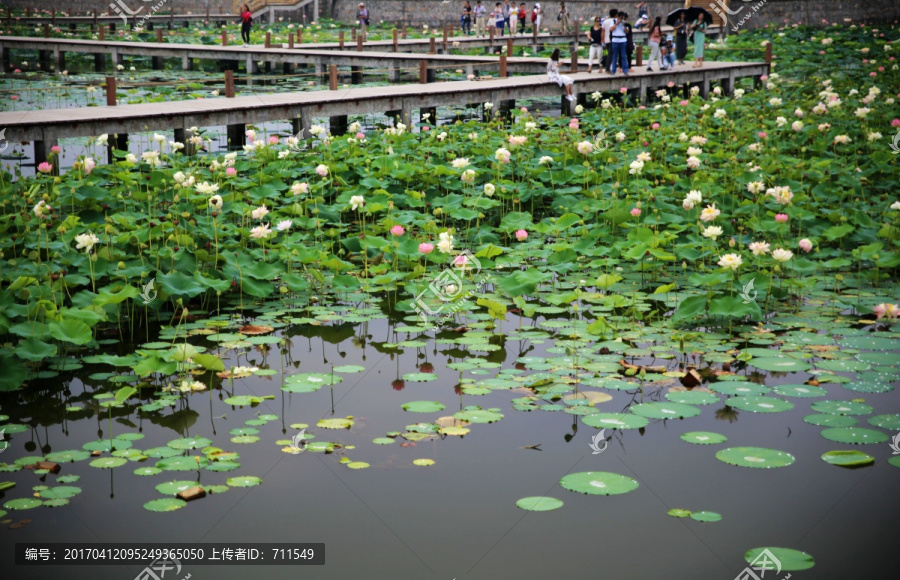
x=805, y=245
x=360, y=135
x=683, y=103
x=17, y=71
x=15, y=97
x=623, y=90
x=670, y=84
x=426, y=248
x=762, y=135
x=322, y=170
x=781, y=218
x=231, y=172
x=461, y=260
x=521, y=235
x=895, y=123
x=426, y=128
x=635, y=211
x=273, y=140
x=524, y=109
x=873, y=74
x=764, y=78
x=654, y=126
x=398, y=230
x=881, y=69
x=56, y=150
x=45, y=167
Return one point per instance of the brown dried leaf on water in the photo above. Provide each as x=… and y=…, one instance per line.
x=253, y=329
x=451, y=422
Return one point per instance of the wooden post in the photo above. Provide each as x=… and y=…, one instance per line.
x=53, y=16
x=291, y=40
x=639, y=56
x=574, y=61
x=300, y=37
x=769, y=53
x=159, y=36
x=353, y=34
x=491, y=30
x=502, y=66
x=445, y=40
x=394, y=34
x=46, y=30
x=403, y=33
x=95, y=18
x=432, y=49
x=268, y=39
x=229, y=84
x=341, y=39
x=509, y=47
x=102, y=32
x=359, y=43
x=224, y=37
x=332, y=77
x=423, y=72
x=110, y=91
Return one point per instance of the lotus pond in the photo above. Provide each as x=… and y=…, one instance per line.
x=641, y=343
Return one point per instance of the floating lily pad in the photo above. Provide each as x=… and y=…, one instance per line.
x=791, y=560
x=243, y=481
x=68, y=456
x=173, y=487
x=760, y=404
x=108, y=462
x=842, y=407
x=162, y=452
x=242, y=400
x=693, y=397
x=703, y=437
x=854, y=435
x=420, y=377
x=357, y=465
x=423, y=462
x=244, y=439
x=665, y=410
x=423, y=406
x=182, y=463
x=757, y=457
x=826, y=420
x=615, y=421
x=189, y=443
x=222, y=466
x=68, y=478
x=25, y=503
x=847, y=458
x=13, y=428
x=781, y=364
x=706, y=517
x=889, y=421
x=349, y=369
x=799, y=391
x=335, y=423
x=458, y=431
x=539, y=504
x=166, y=504
x=479, y=415
x=739, y=388
x=60, y=492
x=598, y=483
x=145, y=471
x=678, y=513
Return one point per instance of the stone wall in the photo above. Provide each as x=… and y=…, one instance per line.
x=436, y=12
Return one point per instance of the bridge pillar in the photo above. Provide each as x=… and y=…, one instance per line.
x=704, y=88
x=237, y=136
x=117, y=141
x=356, y=75
x=320, y=71
x=116, y=58
x=642, y=91
x=187, y=63
x=393, y=75
x=338, y=125
x=59, y=57
x=728, y=84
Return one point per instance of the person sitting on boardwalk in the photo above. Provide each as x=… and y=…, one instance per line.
x=246, y=23
x=699, y=28
x=561, y=80
x=595, y=38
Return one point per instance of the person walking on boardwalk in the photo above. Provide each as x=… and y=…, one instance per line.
x=561, y=80
x=507, y=11
x=619, y=45
x=595, y=39
x=363, y=15
x=536, y=16
x=699, y=28
x=680, y=38
x=478, y=16
x=246, y=23
x=655, y=38
x=465, y=18
x=607, y=26
x=563, y=17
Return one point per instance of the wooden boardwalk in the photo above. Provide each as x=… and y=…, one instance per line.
x=47, y=126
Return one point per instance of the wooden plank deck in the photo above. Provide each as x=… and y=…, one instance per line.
x=47, y=126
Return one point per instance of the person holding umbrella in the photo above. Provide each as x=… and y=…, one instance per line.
x=699, y=28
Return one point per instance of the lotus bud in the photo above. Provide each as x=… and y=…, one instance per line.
x=283, y=289
x=120, y=266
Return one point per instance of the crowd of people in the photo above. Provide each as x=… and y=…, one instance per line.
x=507, y=17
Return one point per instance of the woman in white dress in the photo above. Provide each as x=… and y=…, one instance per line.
x=561, y=80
